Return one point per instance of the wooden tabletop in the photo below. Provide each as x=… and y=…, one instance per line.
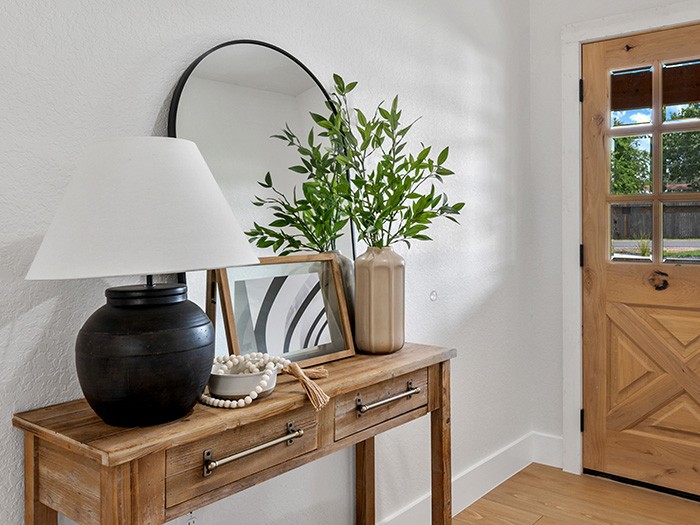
x=74, y=425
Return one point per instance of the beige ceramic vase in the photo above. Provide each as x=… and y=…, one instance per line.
x=379, y=301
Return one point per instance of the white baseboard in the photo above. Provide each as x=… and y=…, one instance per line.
x=480, y=478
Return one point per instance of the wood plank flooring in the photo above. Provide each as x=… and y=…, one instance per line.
x=548, y=496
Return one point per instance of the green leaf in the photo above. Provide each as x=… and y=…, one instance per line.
x=361, y=119
x=308, y=191
x=414, y=230
x=340, y=225
x=423, y=155
x=265, y=243
x=395, y=104
x=298, y=169
x=442, y=157
x=339, y=83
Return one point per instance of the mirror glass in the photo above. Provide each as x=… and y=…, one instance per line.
x=230, y=102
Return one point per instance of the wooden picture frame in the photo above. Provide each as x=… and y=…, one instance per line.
x=283, y=305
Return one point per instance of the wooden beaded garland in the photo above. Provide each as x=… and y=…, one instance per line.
x=252, y=363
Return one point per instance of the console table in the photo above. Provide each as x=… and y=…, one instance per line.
x=77, y=465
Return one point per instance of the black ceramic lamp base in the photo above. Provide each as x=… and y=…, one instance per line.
x=145, y=357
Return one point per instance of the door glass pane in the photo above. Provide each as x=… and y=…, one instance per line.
x=681, y=90
x=630, y=165
x=681, y=221
x=681, y=161
x=630, y=231
x=630, y=97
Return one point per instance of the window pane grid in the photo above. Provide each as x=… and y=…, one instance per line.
x=638, y=113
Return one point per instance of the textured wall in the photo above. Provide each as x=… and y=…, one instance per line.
x=77, y=71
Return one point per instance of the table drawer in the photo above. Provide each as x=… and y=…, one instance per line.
x=382, y=402
x=262, y=445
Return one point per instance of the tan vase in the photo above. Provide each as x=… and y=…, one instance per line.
x=379, y=301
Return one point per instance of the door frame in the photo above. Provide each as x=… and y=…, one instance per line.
x=573, y=36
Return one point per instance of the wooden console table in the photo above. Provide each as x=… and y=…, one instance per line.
x=77, y=465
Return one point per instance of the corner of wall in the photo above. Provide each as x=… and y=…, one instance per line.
x=485, y=475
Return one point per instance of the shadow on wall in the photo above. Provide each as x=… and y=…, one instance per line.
x=471, y=99
x=471, y=262
x=160, y=126
x=42, y=314
x=37, y=321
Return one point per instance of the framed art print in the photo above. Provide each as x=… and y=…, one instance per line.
x=291, y=306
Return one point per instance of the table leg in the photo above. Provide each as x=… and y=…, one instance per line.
x=115, y=495
x=441, y=457
x=35, y=512
x=364, y=482
x=148, y=489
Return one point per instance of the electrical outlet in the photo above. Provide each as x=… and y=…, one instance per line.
x=191, y=519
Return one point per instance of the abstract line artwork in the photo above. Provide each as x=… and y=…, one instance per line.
x=285, y=313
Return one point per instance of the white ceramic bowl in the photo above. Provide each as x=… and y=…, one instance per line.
x=238, y=386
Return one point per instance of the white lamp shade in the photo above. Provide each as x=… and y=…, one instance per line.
x=141, y=206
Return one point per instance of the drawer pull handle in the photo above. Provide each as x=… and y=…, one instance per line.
x=211, y=464
x=410, y=390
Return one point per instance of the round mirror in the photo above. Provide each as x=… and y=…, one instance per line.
x=230, y=101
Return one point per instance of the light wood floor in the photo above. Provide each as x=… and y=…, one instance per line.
x=549, y=496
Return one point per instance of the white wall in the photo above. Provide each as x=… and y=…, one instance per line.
x=77, y=71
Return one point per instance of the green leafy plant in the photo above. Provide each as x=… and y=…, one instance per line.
x=643, y=243
x=393, y=196
x=314, y=220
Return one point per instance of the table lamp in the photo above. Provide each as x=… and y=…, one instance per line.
x=142, y=206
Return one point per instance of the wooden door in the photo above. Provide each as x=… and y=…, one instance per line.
x=641, y=277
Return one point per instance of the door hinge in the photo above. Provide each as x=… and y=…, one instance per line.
x=580, y=90
x=582, y=420
x=580, y=255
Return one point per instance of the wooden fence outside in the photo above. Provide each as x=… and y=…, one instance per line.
x=634, y=221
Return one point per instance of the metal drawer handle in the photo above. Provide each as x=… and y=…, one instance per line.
x=361, y=408
x=210, y=464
